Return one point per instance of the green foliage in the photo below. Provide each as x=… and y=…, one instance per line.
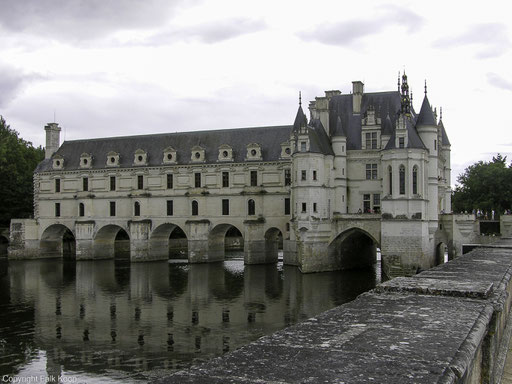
x=18, y=159
x=485, y=186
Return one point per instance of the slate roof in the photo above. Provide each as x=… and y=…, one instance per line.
x=426, y=116
x=443, y=134
x=319, y=141
x=270, y=139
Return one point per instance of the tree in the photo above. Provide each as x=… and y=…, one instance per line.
x=484, y=185
x=18, y=160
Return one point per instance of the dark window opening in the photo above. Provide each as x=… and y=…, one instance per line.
x=57, y=209
x=251, y=207
x=304, y=207
x=225, y=179
x=287, y=177
x=225, y=206
x=170, y=181
x=254, y=178
x=136, y=209
x=314, y=207
x=314, y=175
x=140, y=182
x=195, y=208
x=401, y=142
x=112, y=183
x=57, y=185
x=390, y=171
x=415, y=181
x=170, y=208
x=81, y=209
x=286, y=205
x=303, y=175
x=85, y=184
x=197, y=180
x=112, y=208
x=402, y=179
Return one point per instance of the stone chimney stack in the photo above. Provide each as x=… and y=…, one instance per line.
x=52, y=139
x=357, y=96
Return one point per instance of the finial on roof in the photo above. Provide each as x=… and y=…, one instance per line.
x=440, y=113
x=425, y=87
x=300, y=98
x=398, y=81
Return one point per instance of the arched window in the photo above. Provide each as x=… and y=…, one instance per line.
x=390, y=172
x=81, y=209
x=251, y=207
x=195, y=208
x=136, y=209
x=402, y=179
x=415, y=180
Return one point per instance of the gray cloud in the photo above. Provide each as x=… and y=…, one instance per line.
x=499, y=82
x=210, y=33
x=79, y=20
x=491, y=40
x=347, y=33
x=12, y=82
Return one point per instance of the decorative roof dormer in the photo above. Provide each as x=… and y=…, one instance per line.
x=85, y=160
x=140, y=157
x=112, y=159
x=58, y=162
x=404, y=97
x=286, y=150
x=253, y=151
x=198, y=154
x=370, y=119
x=225, y=153
x=170, y=156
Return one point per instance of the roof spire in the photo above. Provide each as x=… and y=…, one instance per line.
x=440, y=113
x=406, y=103
x=300, y=98
x=398, y=81
x=411, y=97
x=425, y=87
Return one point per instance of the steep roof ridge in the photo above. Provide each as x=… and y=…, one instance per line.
x=426, y=116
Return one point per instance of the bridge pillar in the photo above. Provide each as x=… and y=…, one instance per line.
x=139, y=240
x=23, y=239
x=84, y=238
x=254, y=243
x=198, y=231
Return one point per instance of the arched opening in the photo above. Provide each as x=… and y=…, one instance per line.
x=4, y=243
x=136, y=209
x=401, y=179
x=112, y=241
x=168, y=241
x=219, y=242
x=415, y=180
x=353, y=248
x=251, y=207
x=273, y=244
x=441, y=253
x=57, y=241
x=195, y=208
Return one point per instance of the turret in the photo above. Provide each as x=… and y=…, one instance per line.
x=52, y=139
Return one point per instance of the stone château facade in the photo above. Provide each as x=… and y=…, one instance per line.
x=365, y=171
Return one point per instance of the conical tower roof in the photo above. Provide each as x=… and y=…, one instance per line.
x=426, y=116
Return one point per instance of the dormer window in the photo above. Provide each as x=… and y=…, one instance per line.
x=197, y=154
x=140, y=157
x=401, y=142
x=85, y=160
x=253, y=151
x=58, y=162
x=286, y=150
x=170, y=156
x=225, y=153
x=303, y=146
x=112, y=159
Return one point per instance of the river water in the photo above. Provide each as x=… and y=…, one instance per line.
x=116, y=322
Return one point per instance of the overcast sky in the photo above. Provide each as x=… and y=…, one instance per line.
x=124, y=67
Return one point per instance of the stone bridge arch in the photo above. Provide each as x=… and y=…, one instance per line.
x=353, y=248
x=217, y=241
x=57, y=240
x=112, y=240
x=273, y=242
x=168, y=240
x=4, y=244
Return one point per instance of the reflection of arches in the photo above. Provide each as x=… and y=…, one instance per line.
x=57, y=240
x=273, y=242
x=112, y=241
x=217, y=240
x=4, y=243
x=441, y=253
x=168, y=241
x=354, y=248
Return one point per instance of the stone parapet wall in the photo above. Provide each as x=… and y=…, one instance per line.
x=449, y=324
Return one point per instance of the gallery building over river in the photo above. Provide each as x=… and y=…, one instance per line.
x=364, y=171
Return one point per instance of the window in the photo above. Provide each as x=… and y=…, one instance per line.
x=112, y=208
x=140, y=182
x=197, y=180
x=85, y=184
x=286, y=205
x=225, y=207
x=57, y=209
x=195, y=208
x=314, y=207
x=225, y=179
x=390, y=172
x=303, y=146
x=81, y=209
x=57, y=185
x=371, y=140
x=303, y=175
x=287, y=177
x=371, y=171
x=287, y=227
x=170, y=208
x=435, y=145
x=366, y=203
x=136, y=209
x=112, y=183
x=402, y=179
x=251, y=207
x=376, y=203
x=401, y=142
x=170, y=181
x=415, y=180
x=314, y=175
x=304, y=207
x=254, y=178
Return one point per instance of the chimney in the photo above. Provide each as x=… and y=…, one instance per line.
x=357, y=96
x=52, y=139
